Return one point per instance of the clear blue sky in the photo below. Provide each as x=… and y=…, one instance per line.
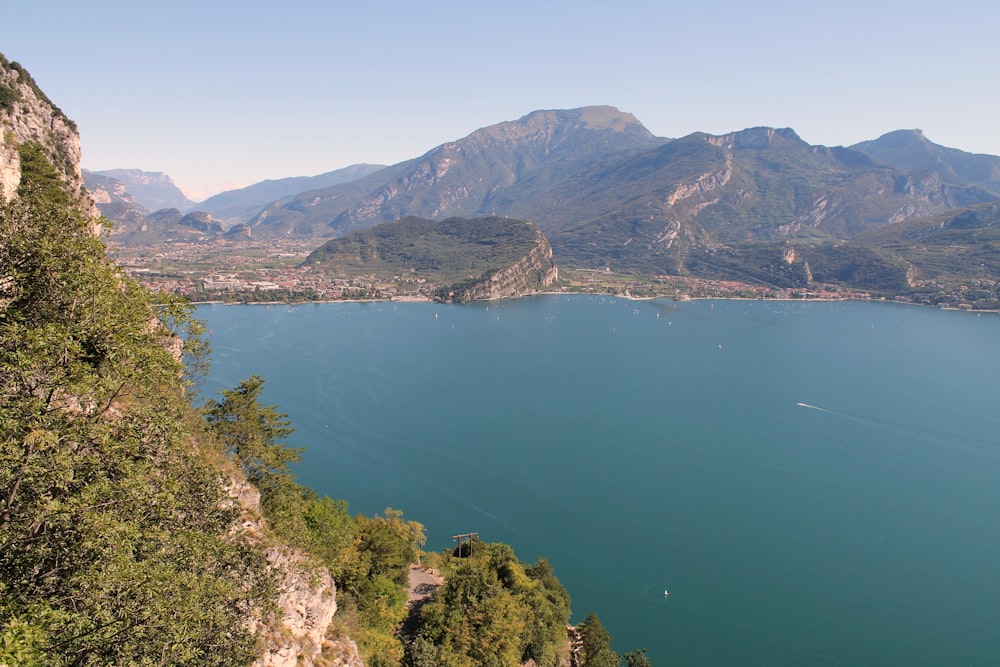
x=224, y=94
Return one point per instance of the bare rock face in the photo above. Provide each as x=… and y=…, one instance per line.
x=528, y=275
x=297, y=635
x=26, y=114
x=307, y=605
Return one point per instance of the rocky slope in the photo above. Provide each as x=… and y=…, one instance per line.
x=28, y=115
x=297, y=636
x=532, y=273
x=115, y=202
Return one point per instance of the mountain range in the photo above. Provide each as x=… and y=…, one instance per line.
x=606, y=192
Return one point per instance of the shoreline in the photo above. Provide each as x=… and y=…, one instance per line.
x=604, y=294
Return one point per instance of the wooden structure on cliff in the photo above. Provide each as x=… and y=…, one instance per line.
x=467, y=538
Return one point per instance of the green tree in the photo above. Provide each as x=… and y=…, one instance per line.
x=596, y=650
x=493, y=610
x=251, y=433
x=637, y=659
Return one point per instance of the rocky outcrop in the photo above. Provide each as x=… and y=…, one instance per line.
x=307, y=603
x=530, y=274
x=297, y=635
x=26, y=114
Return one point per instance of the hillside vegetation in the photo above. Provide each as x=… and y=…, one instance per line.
x=115, y=533
x=463, y=258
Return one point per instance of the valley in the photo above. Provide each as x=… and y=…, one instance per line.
x=261, y=272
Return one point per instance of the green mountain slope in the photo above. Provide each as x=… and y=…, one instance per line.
x=475, y=258
x=116, y=533
x=759, y=185
x=963, y=244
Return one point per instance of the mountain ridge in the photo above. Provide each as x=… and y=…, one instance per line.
x=153, y=190
x=912, y=151
x=607, y=193
x=241, y=204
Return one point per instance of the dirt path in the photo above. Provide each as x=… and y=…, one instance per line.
x=423, y=583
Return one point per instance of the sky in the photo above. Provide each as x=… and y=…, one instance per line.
x=222, y=94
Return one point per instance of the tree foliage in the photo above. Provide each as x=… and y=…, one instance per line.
x=251, y=433
x=115, y=544
x=596, y=650
x=492, y=610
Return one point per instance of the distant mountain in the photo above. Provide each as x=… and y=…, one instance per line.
x=757, y=185
x=115, y=202
x=153, y=190
x=170, y=224
x=911, y=151
x=472, y=259
x=234, y=206
x=607, y=192
x=759, y=204
x=504, y=169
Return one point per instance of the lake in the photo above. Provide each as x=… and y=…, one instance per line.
x=814, y=483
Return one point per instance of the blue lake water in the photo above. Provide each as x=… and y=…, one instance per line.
x=815, y=483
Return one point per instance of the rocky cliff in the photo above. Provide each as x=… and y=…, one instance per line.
x=532, y=273
x=28, y=115
x=296, y=636
x=152, y=190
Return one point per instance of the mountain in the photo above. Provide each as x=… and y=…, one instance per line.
x=497, y=170
x=758, y=185
x=170, y=225
x=234, y=206
x=152, y=190
x=911, y=151
x=962, y=243
x=606, y=192
x=115, y=202
x=473, y=259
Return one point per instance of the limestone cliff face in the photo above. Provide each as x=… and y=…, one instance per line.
x=297, y=635
x=307, y=604
x=26, y=114
x=530, y=274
